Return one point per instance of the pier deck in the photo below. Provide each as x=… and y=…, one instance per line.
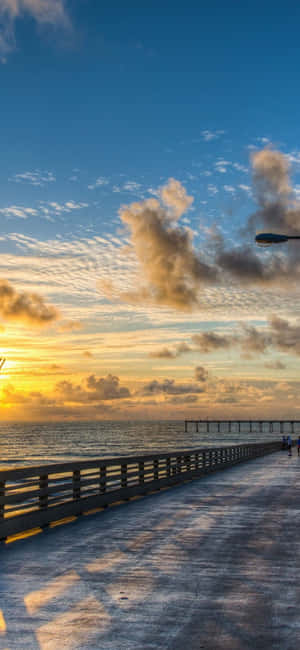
x=210, y=564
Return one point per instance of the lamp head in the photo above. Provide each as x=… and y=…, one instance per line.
x=269, y=238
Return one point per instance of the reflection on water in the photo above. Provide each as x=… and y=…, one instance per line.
x=34, y=444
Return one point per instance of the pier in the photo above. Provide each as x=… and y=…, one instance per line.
x=250, y=426
x=211, y=563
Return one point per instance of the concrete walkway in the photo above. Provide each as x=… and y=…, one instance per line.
x=210, y=564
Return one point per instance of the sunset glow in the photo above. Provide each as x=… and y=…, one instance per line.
x=130, y=282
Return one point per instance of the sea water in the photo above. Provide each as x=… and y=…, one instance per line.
x=36, y=444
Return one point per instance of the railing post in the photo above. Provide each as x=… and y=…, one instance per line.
x=141, y=472
x=76, y=485
x=124, y=475
x=102, y=480
x=155, y=469
x=196, y=461
x=43, y=498
x=187, y=460
x=178, y=465
x=168, y=467
x=2, y=494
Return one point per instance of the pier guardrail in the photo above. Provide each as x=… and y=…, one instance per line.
x=33, y=497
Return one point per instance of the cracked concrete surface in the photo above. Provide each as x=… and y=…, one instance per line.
x=210, y=564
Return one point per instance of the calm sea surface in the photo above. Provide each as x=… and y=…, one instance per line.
x=35, y=444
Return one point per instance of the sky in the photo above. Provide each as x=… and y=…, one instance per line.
x=143, y=147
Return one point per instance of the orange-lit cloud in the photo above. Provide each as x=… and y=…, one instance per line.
x=95, y=389
x=172, y=271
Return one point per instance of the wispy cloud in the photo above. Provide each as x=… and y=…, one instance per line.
x=43, y=208
x=44, y=12
x=70, y=326
x=68, y=206
x=211, y=135
x=36, y=177
x=222, y=165
x=99, y=182
x=18, y=211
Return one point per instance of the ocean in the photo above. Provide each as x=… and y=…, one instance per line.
x=37, y=444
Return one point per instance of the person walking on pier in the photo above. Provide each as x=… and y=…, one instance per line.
x=289, y=444
x=283, y=443
x=298, y=445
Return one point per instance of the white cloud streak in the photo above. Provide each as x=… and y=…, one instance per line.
x=37, y=178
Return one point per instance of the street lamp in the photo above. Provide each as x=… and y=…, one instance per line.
x=268, y=238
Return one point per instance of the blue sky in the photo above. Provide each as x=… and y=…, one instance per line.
x=101, y=104
x=131, y=90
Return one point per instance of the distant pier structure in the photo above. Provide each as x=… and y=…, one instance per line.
x=245, y=426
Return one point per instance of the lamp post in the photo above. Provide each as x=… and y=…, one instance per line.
x=269, y=238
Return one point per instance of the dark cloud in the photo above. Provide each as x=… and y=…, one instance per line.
x=210, y=341
x=254, y=341
x=279, y=333
x=201, y=374
x=169, y=387
x=94, y=389
x=247, y=267
x=171, y=353
x=273, y=191
x=27, y=307
x=285, y=336
x=278, y=211
x=185, y=399
x=107, y=387
x=275, y=365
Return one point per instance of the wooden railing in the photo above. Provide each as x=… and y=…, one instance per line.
x=35, y=496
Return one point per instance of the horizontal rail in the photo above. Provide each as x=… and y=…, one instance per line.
x=36, y=496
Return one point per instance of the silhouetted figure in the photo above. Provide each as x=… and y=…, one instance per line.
x=298, y=445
